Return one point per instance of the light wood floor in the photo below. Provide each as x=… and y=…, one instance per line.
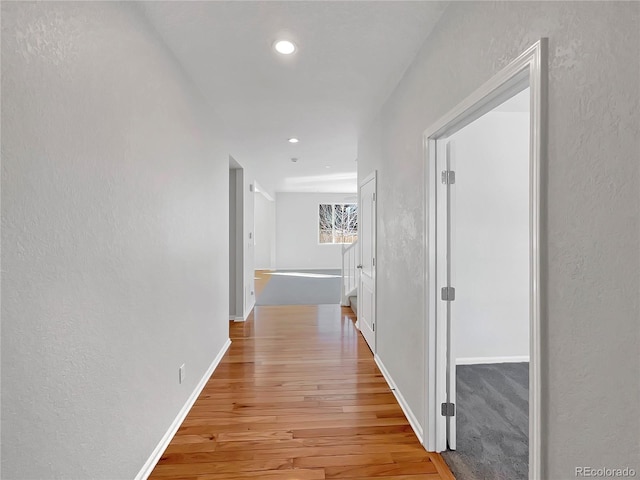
x=297, y=397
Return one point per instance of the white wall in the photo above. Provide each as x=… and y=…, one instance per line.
x=114, y=240
x=297, y=231
x=591, y=244
x=265, y=232
x=491, y=238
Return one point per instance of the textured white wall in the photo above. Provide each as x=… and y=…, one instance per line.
x=591, y=327
x=491, y=253
x=297, y=231
x=265, y=234
x=114, y=237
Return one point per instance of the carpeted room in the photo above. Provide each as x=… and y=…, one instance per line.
x=298, y=287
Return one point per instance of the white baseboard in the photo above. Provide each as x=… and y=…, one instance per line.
x=166, y=439
x=248, y=311
x=413, y=420
x=481, y=360
x=292, y=269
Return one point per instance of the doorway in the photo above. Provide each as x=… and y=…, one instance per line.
x=487, y=257
x=264, y=238
x=458, y=232
x=367, y=266
x=236, y=245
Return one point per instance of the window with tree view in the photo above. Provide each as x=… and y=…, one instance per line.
x=338, y=222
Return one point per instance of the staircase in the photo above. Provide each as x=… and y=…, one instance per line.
x=350, y=271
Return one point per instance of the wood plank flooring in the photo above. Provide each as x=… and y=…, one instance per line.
x=297, y=397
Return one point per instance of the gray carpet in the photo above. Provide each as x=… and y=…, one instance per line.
x=493, y=423
x=302, y=287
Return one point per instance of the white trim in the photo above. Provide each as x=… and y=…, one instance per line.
x=530, y=67
x=429, y=272
x=150, y=464
x=486, y=360
x=368, y=178
x=250, y=309
x=315, y=269
x=236, y=319
x=385, y=373
x=372, y=177
x=413, y=420
x=258, y=189
x=334, y=243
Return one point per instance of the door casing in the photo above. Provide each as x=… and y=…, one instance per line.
x=530, y=68
x=368, y=264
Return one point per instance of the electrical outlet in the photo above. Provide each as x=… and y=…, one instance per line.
x=181, y=373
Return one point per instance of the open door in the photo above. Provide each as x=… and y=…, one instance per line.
x=446, y=281
x=448, y=311
x=367, y=266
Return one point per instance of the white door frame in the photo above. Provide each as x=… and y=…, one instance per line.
x=372, y=177
x=530, y=68
x=237, y=224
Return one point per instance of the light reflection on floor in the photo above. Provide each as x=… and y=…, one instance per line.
x=305, y=274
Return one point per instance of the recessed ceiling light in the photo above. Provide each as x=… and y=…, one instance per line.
x=285, y=47
x=293, y=140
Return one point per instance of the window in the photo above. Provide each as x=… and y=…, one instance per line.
x=338, y=222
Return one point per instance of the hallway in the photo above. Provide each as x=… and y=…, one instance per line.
x=297, y=396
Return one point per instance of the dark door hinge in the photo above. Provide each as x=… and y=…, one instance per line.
x=448, y=294
x=448, y=177
x=448, y=409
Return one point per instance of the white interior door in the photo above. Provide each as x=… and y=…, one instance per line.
x=367, y=241
x=446, y=280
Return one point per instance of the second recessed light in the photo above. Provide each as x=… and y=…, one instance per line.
x=293, y=140
x=285, y=47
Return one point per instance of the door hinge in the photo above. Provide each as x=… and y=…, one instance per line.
x=448, y=177
x=373, y=261
x=448, y=294
x=448, y=409
x=373, y=326
x=374, y=196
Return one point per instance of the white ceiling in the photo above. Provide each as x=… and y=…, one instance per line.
x=350, y=57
